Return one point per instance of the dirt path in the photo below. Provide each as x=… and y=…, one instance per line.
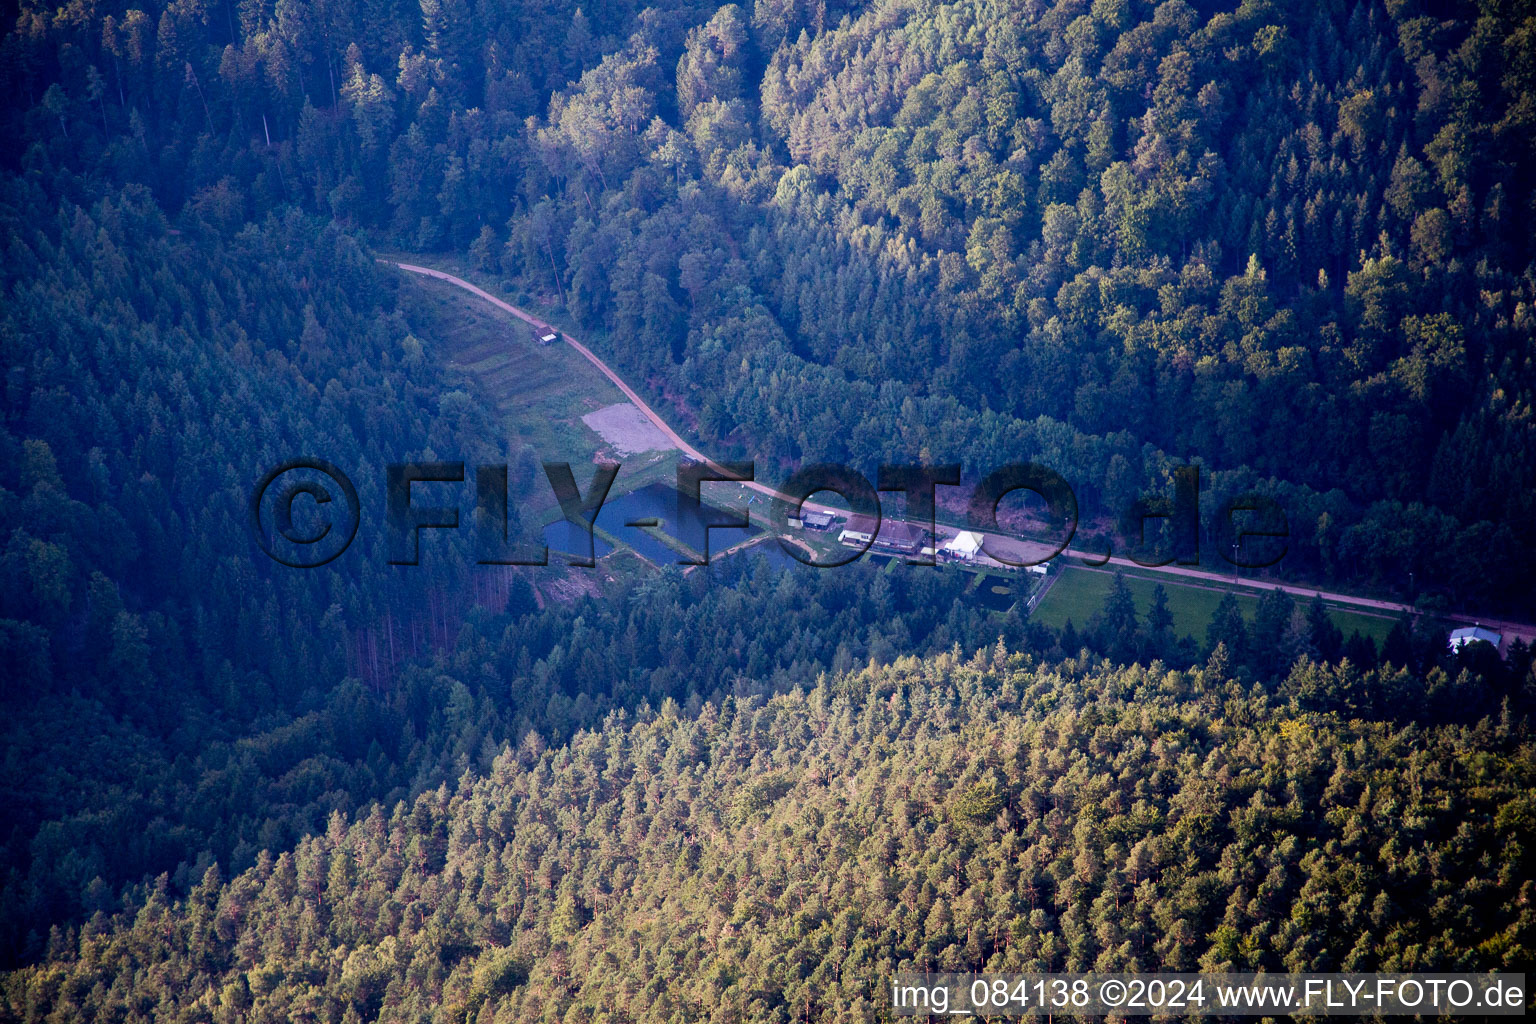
x=1014, y=547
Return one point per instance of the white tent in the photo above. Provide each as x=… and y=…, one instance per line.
x=1470, y=634
x=964, y=546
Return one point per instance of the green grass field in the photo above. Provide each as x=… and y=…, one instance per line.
x=540, y=391
x=1080, y=593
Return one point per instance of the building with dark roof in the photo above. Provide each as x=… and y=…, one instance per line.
x=817, y=520
x=902, y=538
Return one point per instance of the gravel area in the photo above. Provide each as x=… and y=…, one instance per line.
x=625, y=428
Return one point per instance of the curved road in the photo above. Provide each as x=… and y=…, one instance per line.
x=528, y=318
x=1014, y=547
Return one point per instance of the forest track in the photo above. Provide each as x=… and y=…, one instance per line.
x=1004, y=543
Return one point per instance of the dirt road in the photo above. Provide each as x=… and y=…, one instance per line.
x=1011, y=547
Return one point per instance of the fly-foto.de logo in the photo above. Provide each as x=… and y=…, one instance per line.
x=305, y=512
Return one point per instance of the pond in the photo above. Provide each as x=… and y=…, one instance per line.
x=676, y=519
x=568, y=538
x=767, y=551
x=995, y=593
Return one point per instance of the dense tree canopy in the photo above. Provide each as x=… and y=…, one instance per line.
x=778, y=860
x=1108, y=237
x=1112, y=237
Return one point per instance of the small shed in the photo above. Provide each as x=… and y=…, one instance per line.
x=546, y=335
x=817, y=520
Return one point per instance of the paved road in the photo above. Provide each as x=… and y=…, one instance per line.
x=1016, y=548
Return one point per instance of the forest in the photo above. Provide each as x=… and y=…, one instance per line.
x=1113, y=237
x=1109, y=237
x=771, y=860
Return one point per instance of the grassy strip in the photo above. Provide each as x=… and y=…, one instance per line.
x=1080, y=593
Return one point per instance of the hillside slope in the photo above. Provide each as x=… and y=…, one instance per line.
x=776, y=861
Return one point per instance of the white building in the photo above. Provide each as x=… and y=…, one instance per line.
x=964, y=546
x=1468, y=634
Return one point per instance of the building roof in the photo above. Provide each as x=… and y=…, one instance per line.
x=890, y=533
x=964, y=543
x=816, y=518
x=860, y=524
x=1467, y=634
x=897, y=534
